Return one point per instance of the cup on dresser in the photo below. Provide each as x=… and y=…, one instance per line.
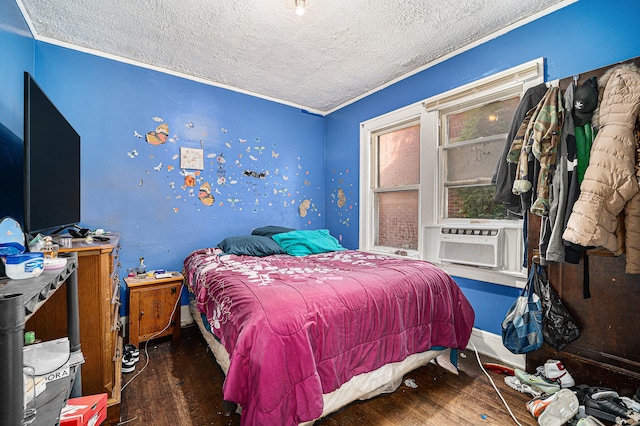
x=66, y=242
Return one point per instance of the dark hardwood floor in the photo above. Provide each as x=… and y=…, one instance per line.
x=182, y=385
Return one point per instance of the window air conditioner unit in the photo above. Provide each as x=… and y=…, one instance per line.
x=470, y=246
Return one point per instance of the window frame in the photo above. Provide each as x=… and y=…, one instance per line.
x=404, y=117
x=431, y=188
x=376, y=188
x=444, y=145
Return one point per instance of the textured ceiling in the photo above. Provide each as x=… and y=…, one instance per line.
x=336, y=52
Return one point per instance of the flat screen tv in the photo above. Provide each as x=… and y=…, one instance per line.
x=51, y=186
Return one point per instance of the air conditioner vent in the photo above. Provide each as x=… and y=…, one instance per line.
x=470, y=246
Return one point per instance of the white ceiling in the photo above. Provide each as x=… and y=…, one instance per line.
x=337, y=52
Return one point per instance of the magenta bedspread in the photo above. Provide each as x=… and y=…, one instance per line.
x=298, y=327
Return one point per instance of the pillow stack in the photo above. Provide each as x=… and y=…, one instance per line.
x=269, y=240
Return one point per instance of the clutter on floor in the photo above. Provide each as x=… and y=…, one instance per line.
x=557, y=400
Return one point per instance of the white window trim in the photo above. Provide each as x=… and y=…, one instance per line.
x=525, y=76
x=367, y=215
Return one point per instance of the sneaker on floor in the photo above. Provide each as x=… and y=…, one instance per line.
x=563, y=407
x=133, y=352
x=128, y=364
x=537, y=405
x=537, y=382
x=554, y=370
x=631, y=404
x=514, y=383
x=607, y=408
x=582, y=391
x=601, y=393
x=589, y=421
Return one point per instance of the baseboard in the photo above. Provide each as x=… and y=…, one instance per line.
x=185, y=316
x=490, y=344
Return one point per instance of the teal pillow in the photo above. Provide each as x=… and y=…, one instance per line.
x=304, y=242
x=250, y=245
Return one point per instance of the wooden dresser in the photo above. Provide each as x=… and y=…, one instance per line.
x=99, y=306
x=152, y=307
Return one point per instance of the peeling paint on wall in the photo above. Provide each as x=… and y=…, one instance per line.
x=221, y=171
x=343, y=196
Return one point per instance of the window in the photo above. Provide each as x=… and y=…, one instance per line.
x=471, y=141
x=396, y=186
x=426, y=170
x=391, y=183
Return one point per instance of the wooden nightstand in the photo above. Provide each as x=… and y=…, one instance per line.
x=151, y=304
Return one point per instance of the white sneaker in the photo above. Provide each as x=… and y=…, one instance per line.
x=554, y=370
x=560, y=410
x=631, y=404
x=538, y=382
x=514, y=383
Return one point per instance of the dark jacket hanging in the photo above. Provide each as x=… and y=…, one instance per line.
x=505, y=172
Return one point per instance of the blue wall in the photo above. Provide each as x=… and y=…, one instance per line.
x=586, y=35
x=16, y=46
x=136, y=188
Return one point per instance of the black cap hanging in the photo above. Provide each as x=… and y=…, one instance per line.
x=585, y=102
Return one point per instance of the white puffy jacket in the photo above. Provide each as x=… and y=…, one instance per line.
x=610, y=180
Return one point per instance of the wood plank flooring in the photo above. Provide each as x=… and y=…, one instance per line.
x=182, y=386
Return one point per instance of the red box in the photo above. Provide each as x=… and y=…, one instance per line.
x=85, y=411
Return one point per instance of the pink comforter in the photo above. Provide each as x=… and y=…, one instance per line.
x=298, y=327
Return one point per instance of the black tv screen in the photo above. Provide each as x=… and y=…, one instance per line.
x=51, y=164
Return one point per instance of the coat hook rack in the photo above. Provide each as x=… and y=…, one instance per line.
x=536, y=257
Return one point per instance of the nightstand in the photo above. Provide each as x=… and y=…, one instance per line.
x=152, y=305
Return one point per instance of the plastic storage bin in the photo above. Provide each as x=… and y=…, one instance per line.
x=24, y=265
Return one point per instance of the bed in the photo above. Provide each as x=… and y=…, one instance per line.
x=300, y=336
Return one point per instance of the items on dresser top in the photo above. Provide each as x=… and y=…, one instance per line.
x=17, y=263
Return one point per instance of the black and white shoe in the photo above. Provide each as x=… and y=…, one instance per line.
x=128, y=363
x=604, y=404
x=132, y=351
